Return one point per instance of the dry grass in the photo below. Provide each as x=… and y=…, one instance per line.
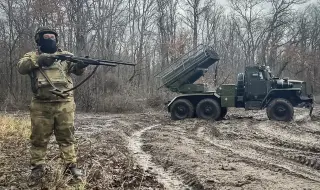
x=121, y=104
x=114, y=96
x=14, y=134
x=14, y=128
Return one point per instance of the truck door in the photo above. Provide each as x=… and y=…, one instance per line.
x=256, y=86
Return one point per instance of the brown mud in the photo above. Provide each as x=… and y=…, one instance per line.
x=150, y=151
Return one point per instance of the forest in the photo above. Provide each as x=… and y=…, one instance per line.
x=284, y=34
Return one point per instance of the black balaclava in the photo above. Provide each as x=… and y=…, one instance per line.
x=47, y=45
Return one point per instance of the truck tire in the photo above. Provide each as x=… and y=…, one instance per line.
x=280, y=109
x=223, y=113
x=181, y=109
x=208, y=109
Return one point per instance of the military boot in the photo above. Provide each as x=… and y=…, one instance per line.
x=71, y=169
x=37, y=172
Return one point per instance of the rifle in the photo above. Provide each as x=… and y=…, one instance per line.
x=90, y=61
x=85, y=60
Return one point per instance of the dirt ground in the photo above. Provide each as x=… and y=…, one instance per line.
x=150, y=151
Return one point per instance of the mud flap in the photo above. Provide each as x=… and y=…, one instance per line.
x=311, y=109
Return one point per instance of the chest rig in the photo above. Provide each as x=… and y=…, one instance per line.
x=51, y=82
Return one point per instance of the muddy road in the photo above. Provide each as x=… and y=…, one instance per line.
x=150, y=151
x=244, y=151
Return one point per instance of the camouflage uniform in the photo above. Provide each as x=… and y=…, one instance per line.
x=50, y=113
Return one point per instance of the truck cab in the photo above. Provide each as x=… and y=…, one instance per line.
x=256, y=89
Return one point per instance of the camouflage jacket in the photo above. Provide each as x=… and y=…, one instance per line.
x=59, y=73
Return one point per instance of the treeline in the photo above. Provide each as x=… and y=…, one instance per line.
x=284, y=34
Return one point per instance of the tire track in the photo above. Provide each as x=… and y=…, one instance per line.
x=293, y=155
x=189, y=178
x=169, y=181
x=308, y=127
x=279, y=135
x=255, y=158
x=271, y=141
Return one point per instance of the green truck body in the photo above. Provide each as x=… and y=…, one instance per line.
x=256, y=88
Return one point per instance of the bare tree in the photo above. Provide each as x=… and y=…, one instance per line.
x=281, y=16
x=248, y=20
x=153, y=34
x=193, y=10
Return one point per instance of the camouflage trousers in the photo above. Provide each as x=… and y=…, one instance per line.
x=48, y=118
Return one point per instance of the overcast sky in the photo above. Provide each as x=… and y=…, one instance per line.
x=225, y=2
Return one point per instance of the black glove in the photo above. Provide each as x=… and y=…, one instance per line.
x=45, y=59
x=81, y=65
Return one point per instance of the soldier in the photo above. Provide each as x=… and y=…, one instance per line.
x=50, y=113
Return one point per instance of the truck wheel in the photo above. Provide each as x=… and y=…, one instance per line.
x=280, y=110
x=223, y=113
x=208, y=109
x=181, y=109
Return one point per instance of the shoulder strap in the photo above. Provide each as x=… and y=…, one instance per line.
x=55, y=90
x=64, y=93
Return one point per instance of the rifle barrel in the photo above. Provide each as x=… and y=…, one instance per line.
x=117, y=62
x=90, y=61
x=106, y=64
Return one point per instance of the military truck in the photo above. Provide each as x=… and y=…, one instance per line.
x=255, y=89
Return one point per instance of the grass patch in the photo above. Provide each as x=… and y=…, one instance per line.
x=13, y=128
x=14, y=135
